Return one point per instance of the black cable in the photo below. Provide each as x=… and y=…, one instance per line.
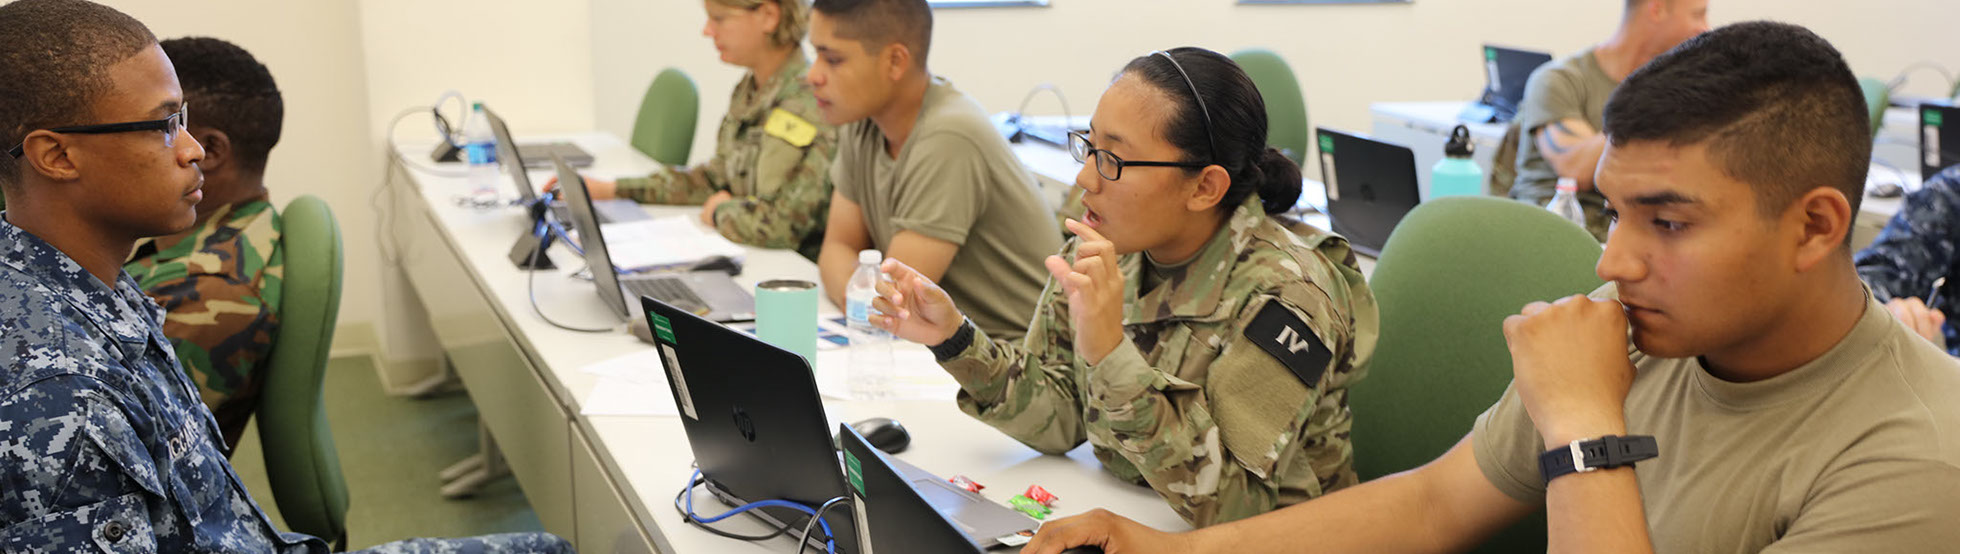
x=803, y=540
x=689, y=518
x=531, y=290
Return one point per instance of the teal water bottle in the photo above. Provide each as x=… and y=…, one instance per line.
x=1456, y=174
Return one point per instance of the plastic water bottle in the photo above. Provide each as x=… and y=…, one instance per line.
x=1566, y=202
x=870, y=374
x=1456, y=174
x=480, y=150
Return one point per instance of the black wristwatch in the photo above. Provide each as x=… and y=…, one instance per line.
x=1610, y=451
x=954, y=345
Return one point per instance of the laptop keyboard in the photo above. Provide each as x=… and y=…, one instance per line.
x=666, y=289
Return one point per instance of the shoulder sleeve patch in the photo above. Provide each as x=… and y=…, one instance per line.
x=789, y=127
x=1284, y=336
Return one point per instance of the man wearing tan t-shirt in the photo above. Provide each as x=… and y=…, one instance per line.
x=1559, y=116
x=1789, y=412
x=920, y=174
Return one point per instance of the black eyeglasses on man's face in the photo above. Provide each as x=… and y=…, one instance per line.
x=1109, y=165
x=169, y=126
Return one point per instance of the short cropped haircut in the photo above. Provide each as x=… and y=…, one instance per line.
x=790, y=26
x=227, y=89
x=1775, y=104
x=54, y=62
x=876, y=23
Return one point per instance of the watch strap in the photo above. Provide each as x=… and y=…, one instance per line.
x=1585, y=455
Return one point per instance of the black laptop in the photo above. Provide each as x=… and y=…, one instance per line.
x=756, y=423
x=713, y=294
x=1371, y=186
x=1505, y=73
x=893, y=517
x=518, y=158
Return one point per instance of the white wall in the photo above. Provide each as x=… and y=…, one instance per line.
x=1346, y=56
x=314, y=52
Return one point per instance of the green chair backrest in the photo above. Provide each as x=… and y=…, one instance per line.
x=301, y=462
x=665, y=128
x=1448, y=276
x=1286, y=106
x=1877, y=96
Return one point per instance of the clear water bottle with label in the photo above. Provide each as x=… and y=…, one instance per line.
x=480, y=150
x=870, y=374
x=1566, y=202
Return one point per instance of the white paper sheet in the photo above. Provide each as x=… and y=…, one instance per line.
x=630, y=385
x=915, y=376
x=666, y=242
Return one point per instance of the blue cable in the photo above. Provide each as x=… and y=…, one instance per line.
x=830, y=544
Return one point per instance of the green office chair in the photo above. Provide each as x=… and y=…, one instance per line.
x=1448, y=276
x=301, y=462
x=1286, y=106
x=665, y=128
x=1877, y=96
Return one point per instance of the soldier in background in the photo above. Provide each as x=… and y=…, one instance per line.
x=103, y=444
x=1912, y=264
x=1204, y=346
x=768, y=184
x=218, y=282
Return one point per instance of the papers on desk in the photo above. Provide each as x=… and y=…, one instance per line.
x=915, y=375
x=630, y=385
x=665, y=243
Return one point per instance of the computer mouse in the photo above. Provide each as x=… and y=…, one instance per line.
x=723, y=264
x=1084, y=549
x=1885, y=190
x=884, y=433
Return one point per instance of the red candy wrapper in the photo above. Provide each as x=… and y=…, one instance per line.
x=963, y=482
x=1039, y=494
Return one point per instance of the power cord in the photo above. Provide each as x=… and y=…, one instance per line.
x=1953, y=83
x=803, y=540
x=531, y=277
x=685, y=503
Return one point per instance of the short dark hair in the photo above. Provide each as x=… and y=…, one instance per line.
x=227, y=89
x=876, y=23
x=1238, y=127
x=1776, y=105
x=54, y=61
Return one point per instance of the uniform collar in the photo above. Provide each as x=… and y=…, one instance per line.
x=232, y=216
x=111, y=309
x=751, y=101
x=1195, y=289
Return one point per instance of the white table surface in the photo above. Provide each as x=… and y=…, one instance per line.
x=646, y=458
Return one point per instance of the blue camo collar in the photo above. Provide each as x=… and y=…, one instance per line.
x=110, y=309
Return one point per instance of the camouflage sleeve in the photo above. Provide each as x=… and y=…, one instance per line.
x=72, y=467
x=222, y=329
x=502, y=543
x=1233, y=448
x=676, y=185
x=793, y=195
x=1918, y=244
x=1026, y=395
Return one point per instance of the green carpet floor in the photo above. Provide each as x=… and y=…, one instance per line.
x=390, y=451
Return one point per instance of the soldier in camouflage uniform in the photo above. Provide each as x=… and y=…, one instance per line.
x=768, y=184
x=219, y=281
x=103, y=444
x=1912, y=264
x=1220, y=381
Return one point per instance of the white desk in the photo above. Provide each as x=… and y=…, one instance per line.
x=1424, y=127
x=606, y=483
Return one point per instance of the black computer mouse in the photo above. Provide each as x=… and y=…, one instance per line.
x=884, y=433
x=723, y=264
x=1084, y=549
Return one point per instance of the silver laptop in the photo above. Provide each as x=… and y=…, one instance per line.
x=515, y=159
x=710, y=294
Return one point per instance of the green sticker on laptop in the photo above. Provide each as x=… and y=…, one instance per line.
x=854, y=472
x=1327, y=144
x=662, y=328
